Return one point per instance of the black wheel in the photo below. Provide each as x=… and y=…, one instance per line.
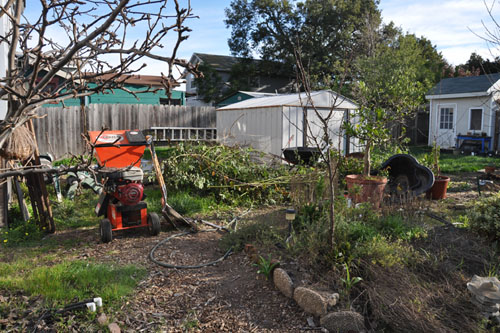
x=154, y=224
x=106, y=232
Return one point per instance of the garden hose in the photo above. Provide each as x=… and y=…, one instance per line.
x=167, y=265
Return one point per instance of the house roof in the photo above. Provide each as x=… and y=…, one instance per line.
x=221, y=62
x=256, y=94
x=138, y=79
x=324, y=99
x=465, y=85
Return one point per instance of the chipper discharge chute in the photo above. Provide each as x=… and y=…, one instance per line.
x=118, y=154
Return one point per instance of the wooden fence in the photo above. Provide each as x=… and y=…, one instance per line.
x=59, y=130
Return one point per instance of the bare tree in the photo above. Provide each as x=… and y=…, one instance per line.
x=324, y=143
x=98, y=43
x=75, y=48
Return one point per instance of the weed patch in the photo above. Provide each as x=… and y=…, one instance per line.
x=62, y=282
x=485, y=216
x=229, y=174
x=19, y=231
x=76, y=213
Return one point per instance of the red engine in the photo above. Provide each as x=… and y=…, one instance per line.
x=129, y=194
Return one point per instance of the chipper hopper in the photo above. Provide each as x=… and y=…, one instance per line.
x=121, y=203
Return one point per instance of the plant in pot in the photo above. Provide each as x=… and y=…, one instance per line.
x=388, y=91
x=489, y=169
x=440, y=186
x=366, y=187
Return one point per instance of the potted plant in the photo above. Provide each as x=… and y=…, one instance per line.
x=366, y=187
x=388, y=91
x=489, y=169
x=440, y=186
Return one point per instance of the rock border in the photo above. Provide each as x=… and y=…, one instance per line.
x=317, y=303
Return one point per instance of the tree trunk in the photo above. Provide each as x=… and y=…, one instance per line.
x=332, y=165
x=367, y=159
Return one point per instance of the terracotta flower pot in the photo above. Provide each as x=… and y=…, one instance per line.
x=438, y=190
x=489, y=169
x=370, y=189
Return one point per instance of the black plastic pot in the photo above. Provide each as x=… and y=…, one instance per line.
x=406, y=175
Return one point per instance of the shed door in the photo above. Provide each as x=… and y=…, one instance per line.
x=446, y=126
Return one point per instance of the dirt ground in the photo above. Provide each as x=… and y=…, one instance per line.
x=231, y=297
x=227, y=297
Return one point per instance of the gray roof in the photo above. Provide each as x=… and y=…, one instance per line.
x=463, y=85
x=221, y=62
x=324, y=99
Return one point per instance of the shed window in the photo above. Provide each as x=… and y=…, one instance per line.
x=476, y=119
x=446, y=118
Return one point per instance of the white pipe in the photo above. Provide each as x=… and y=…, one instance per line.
x=91, y=306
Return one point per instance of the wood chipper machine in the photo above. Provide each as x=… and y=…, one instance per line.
x=121, y=203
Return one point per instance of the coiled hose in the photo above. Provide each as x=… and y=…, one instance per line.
x=167, y=265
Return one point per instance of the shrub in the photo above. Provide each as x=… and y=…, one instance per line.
x=359, y=233
x=19, y=231
x=485, y=216
x=228, y=173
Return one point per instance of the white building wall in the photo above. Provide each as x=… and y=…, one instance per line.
x=272, y=129
x=258, y=128
x=4, y=29
x=461, y=116
x=292, y=127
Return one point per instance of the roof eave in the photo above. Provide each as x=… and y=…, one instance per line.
x=460, y=95
x=494, y=87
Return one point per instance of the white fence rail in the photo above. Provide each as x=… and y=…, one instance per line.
x=173, y=134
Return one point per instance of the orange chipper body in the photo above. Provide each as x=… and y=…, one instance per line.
x=114, y=150
x=121, y=203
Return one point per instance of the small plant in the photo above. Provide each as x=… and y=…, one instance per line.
x=266, y=266
x=349, y=281
x=431, y=160
x=485, y=217
x=191, y=322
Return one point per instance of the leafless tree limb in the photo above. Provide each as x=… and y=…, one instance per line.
x=43, y=68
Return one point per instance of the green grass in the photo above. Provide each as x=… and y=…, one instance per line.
x=451, y=164
x=76, y=213
x=63, y=282
x=183, y=202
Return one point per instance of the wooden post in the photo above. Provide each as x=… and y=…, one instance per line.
x=4, y=197
x=38, y=192
x=497, y=131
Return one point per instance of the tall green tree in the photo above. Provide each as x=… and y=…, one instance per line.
x=210, y=87
x=477, y=65
x=329, y=34
x=391, y=86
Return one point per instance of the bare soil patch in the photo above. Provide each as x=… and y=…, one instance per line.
x=227, y=297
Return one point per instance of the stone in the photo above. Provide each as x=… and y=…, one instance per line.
x=283, y=282
x=102, y=319
x=310, y=301
x=114, y=328
x=310, y=322
x=485, y=289
x=343, y=321
x=331, y=299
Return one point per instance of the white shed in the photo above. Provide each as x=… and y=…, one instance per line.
x=271, y=124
